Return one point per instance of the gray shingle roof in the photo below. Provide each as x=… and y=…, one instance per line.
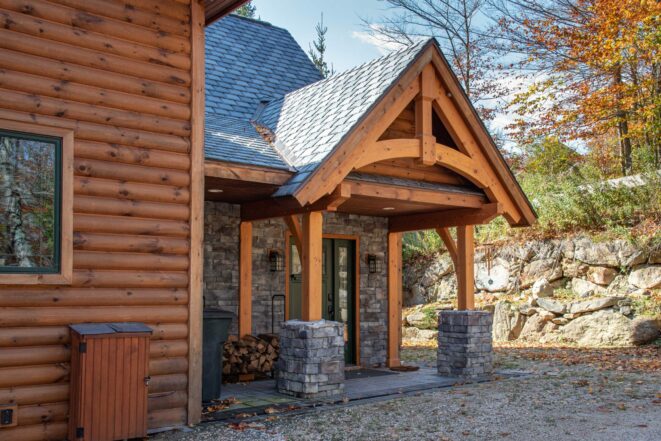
x=236, y=140
x=310, y=122
x=248, y=61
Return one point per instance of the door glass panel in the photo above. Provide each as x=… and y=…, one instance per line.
x=343, y=283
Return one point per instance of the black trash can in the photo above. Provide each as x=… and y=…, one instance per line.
x=214, y=334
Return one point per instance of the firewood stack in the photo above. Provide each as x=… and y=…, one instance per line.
x=250, y=356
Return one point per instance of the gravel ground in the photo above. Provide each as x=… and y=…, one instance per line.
x=569, y=395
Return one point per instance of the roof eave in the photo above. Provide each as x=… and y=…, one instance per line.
x=217, y=9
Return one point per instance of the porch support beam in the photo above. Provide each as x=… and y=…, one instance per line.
x=423, y=115
x=394, y=297
x=311, y=266
x=447, y=218
x=464, y=268
x=449, y=242
x=296, y=231
x=245, y=279
x=281, y=207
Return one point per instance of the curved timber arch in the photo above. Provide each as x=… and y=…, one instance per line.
x=447, y=157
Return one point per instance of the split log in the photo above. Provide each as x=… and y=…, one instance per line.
x=160, y=7
x=165, y=366
x=91, y=58
x=250, y=355
x=28, y=395
x=133, y=173
x=89, y=223
x=94, y=23
x=129, y=261
x=115, y=207
x=26, y=102
x=129, y=279
x=49, y=316
x=126, y=243
x=32, y=375
x=66, y=296
x=166, y=418
x=63, y=71
x=132, y=155
x=38, y=432
x=165, y=383
x=129, y=190
x=167, y=400
x=92, y=40
x=44, y=413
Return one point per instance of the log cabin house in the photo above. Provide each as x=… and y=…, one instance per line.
x=149, y=214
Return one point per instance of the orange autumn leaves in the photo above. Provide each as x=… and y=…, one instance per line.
x=598, y=57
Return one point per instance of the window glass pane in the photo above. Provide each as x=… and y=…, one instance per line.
x=29, y=202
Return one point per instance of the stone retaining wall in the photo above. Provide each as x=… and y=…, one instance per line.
x=580, y=264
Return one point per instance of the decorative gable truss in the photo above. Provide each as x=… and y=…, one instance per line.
x=436, y=93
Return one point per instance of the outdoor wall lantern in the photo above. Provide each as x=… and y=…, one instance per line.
x=373, y=264
x=276, y=261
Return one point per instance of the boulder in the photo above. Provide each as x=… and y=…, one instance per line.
x=419, y=319
x=560, y=321
x=542, y=288
x=552, y=306
x=534, y=325
x=592, y=305
x=507, y=322
x=601, y=275
x=601, y=254
x=655, y=256
x=494, y=278
x=446, y=289
x=574, y=268
x=608, y=328
x=440, y=267
x=585, y=288
x=415, y=335
x=528, y=310
x=646, y=277
x=548, y=269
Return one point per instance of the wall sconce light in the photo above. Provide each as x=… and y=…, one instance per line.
x=276, y=261
x=373, y=264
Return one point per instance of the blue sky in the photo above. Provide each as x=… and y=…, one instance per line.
x=345, y=38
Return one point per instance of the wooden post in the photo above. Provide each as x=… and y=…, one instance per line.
x=195, y=306
x=423, y=115
x=464, y=268
x=245, y=279
x=394, y=297
x=311, y=263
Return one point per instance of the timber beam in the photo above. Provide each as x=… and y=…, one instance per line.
x=449, y=242
x=296, y=231
x=281, y=207
x=238, y=172
x=465, y=268
x=447, y=218
x=245, y=278
x=394, y=298
x=419, y=195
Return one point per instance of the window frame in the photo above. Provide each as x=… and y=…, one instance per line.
x=63, y=274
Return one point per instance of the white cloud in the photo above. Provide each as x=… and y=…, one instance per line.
x=383, y=46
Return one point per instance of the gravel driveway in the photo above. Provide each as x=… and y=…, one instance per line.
x=569, y=395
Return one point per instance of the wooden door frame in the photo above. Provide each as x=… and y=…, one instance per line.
x=356, y=239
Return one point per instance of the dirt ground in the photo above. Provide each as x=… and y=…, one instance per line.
x=569, y=394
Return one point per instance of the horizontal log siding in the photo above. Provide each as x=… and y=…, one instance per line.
x=119, y=75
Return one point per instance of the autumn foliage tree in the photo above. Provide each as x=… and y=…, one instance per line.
x=599, y=71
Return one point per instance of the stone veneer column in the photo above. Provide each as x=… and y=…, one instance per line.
x=464, y=344
x=311, y=361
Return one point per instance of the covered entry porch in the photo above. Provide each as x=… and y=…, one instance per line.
x=418, y=158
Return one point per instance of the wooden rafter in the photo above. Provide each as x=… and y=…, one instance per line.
x=447, y=218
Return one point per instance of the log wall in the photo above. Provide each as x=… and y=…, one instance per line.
x=119, y=73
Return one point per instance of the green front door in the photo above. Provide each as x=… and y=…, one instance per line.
x=338, y=288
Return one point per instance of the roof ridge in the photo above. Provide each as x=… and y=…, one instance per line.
x=254, y=20
x=377, y=60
